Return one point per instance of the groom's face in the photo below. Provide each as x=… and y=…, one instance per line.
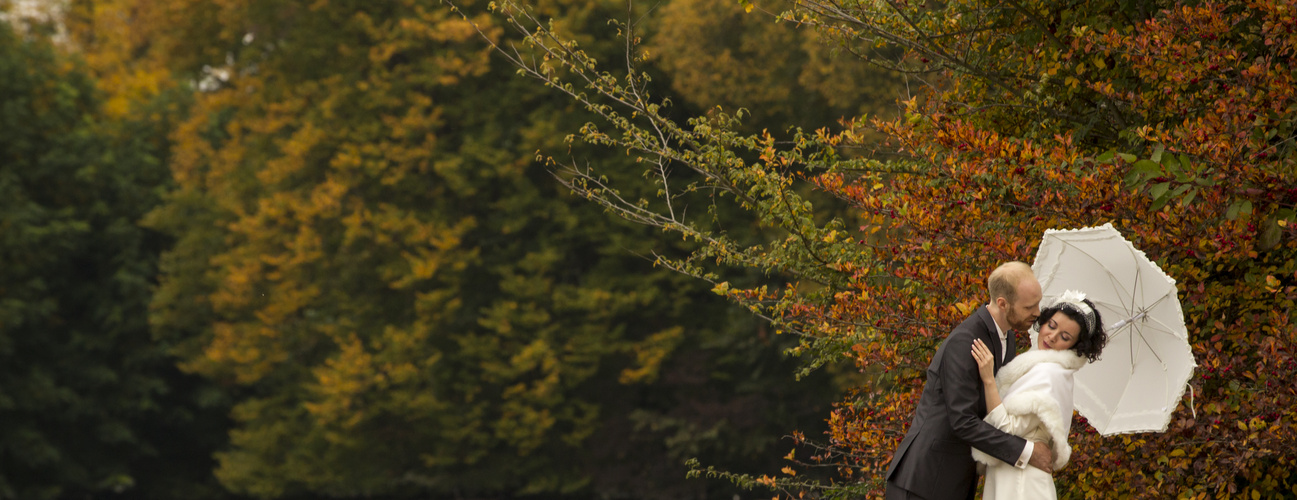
x=1026, y=307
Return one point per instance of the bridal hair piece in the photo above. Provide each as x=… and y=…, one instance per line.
x=1075, y=301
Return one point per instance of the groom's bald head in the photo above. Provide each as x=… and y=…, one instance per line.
x=1004, y=280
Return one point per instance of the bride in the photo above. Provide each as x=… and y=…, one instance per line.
x=1033, y=398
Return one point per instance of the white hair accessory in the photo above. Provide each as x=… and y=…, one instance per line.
x=1075, y=300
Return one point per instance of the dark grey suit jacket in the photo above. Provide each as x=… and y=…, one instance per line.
x=934, y=460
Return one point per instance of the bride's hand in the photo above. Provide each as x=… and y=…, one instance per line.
x=985, y=361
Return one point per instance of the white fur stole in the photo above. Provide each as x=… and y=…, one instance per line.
x=1038, y=383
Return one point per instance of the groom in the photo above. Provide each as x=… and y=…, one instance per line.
x=934, y=461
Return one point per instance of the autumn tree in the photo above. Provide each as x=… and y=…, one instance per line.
x=1166, y=119
x=397, y=296
x=720, y=54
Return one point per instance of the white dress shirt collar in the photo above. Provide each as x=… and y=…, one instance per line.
x=1004, y=336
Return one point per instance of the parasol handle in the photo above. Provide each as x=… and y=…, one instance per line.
x=1130, y=320
x=1191, y=408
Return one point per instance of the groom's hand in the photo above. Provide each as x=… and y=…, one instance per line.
x=1041, y=457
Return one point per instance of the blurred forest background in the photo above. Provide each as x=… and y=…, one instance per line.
x=286, y=249
x=684, y=249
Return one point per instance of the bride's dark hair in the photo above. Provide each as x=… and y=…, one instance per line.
x=1088, y=344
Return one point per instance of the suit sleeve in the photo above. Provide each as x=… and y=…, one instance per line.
x=962, y=392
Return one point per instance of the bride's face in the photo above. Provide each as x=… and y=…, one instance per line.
x=1059, y=333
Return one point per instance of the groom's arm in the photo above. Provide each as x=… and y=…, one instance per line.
x=961, y=385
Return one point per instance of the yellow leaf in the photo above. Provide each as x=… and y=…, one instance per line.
x=789, y=471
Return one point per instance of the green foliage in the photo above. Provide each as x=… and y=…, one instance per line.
x=91, y=405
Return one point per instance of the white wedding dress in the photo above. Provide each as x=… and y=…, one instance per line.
x=1036, y=394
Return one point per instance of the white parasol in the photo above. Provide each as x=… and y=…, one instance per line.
x=1145, y=368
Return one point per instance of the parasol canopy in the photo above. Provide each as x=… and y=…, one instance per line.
x=1145, y=367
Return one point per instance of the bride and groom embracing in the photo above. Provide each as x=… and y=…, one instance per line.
x=1016, y=426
